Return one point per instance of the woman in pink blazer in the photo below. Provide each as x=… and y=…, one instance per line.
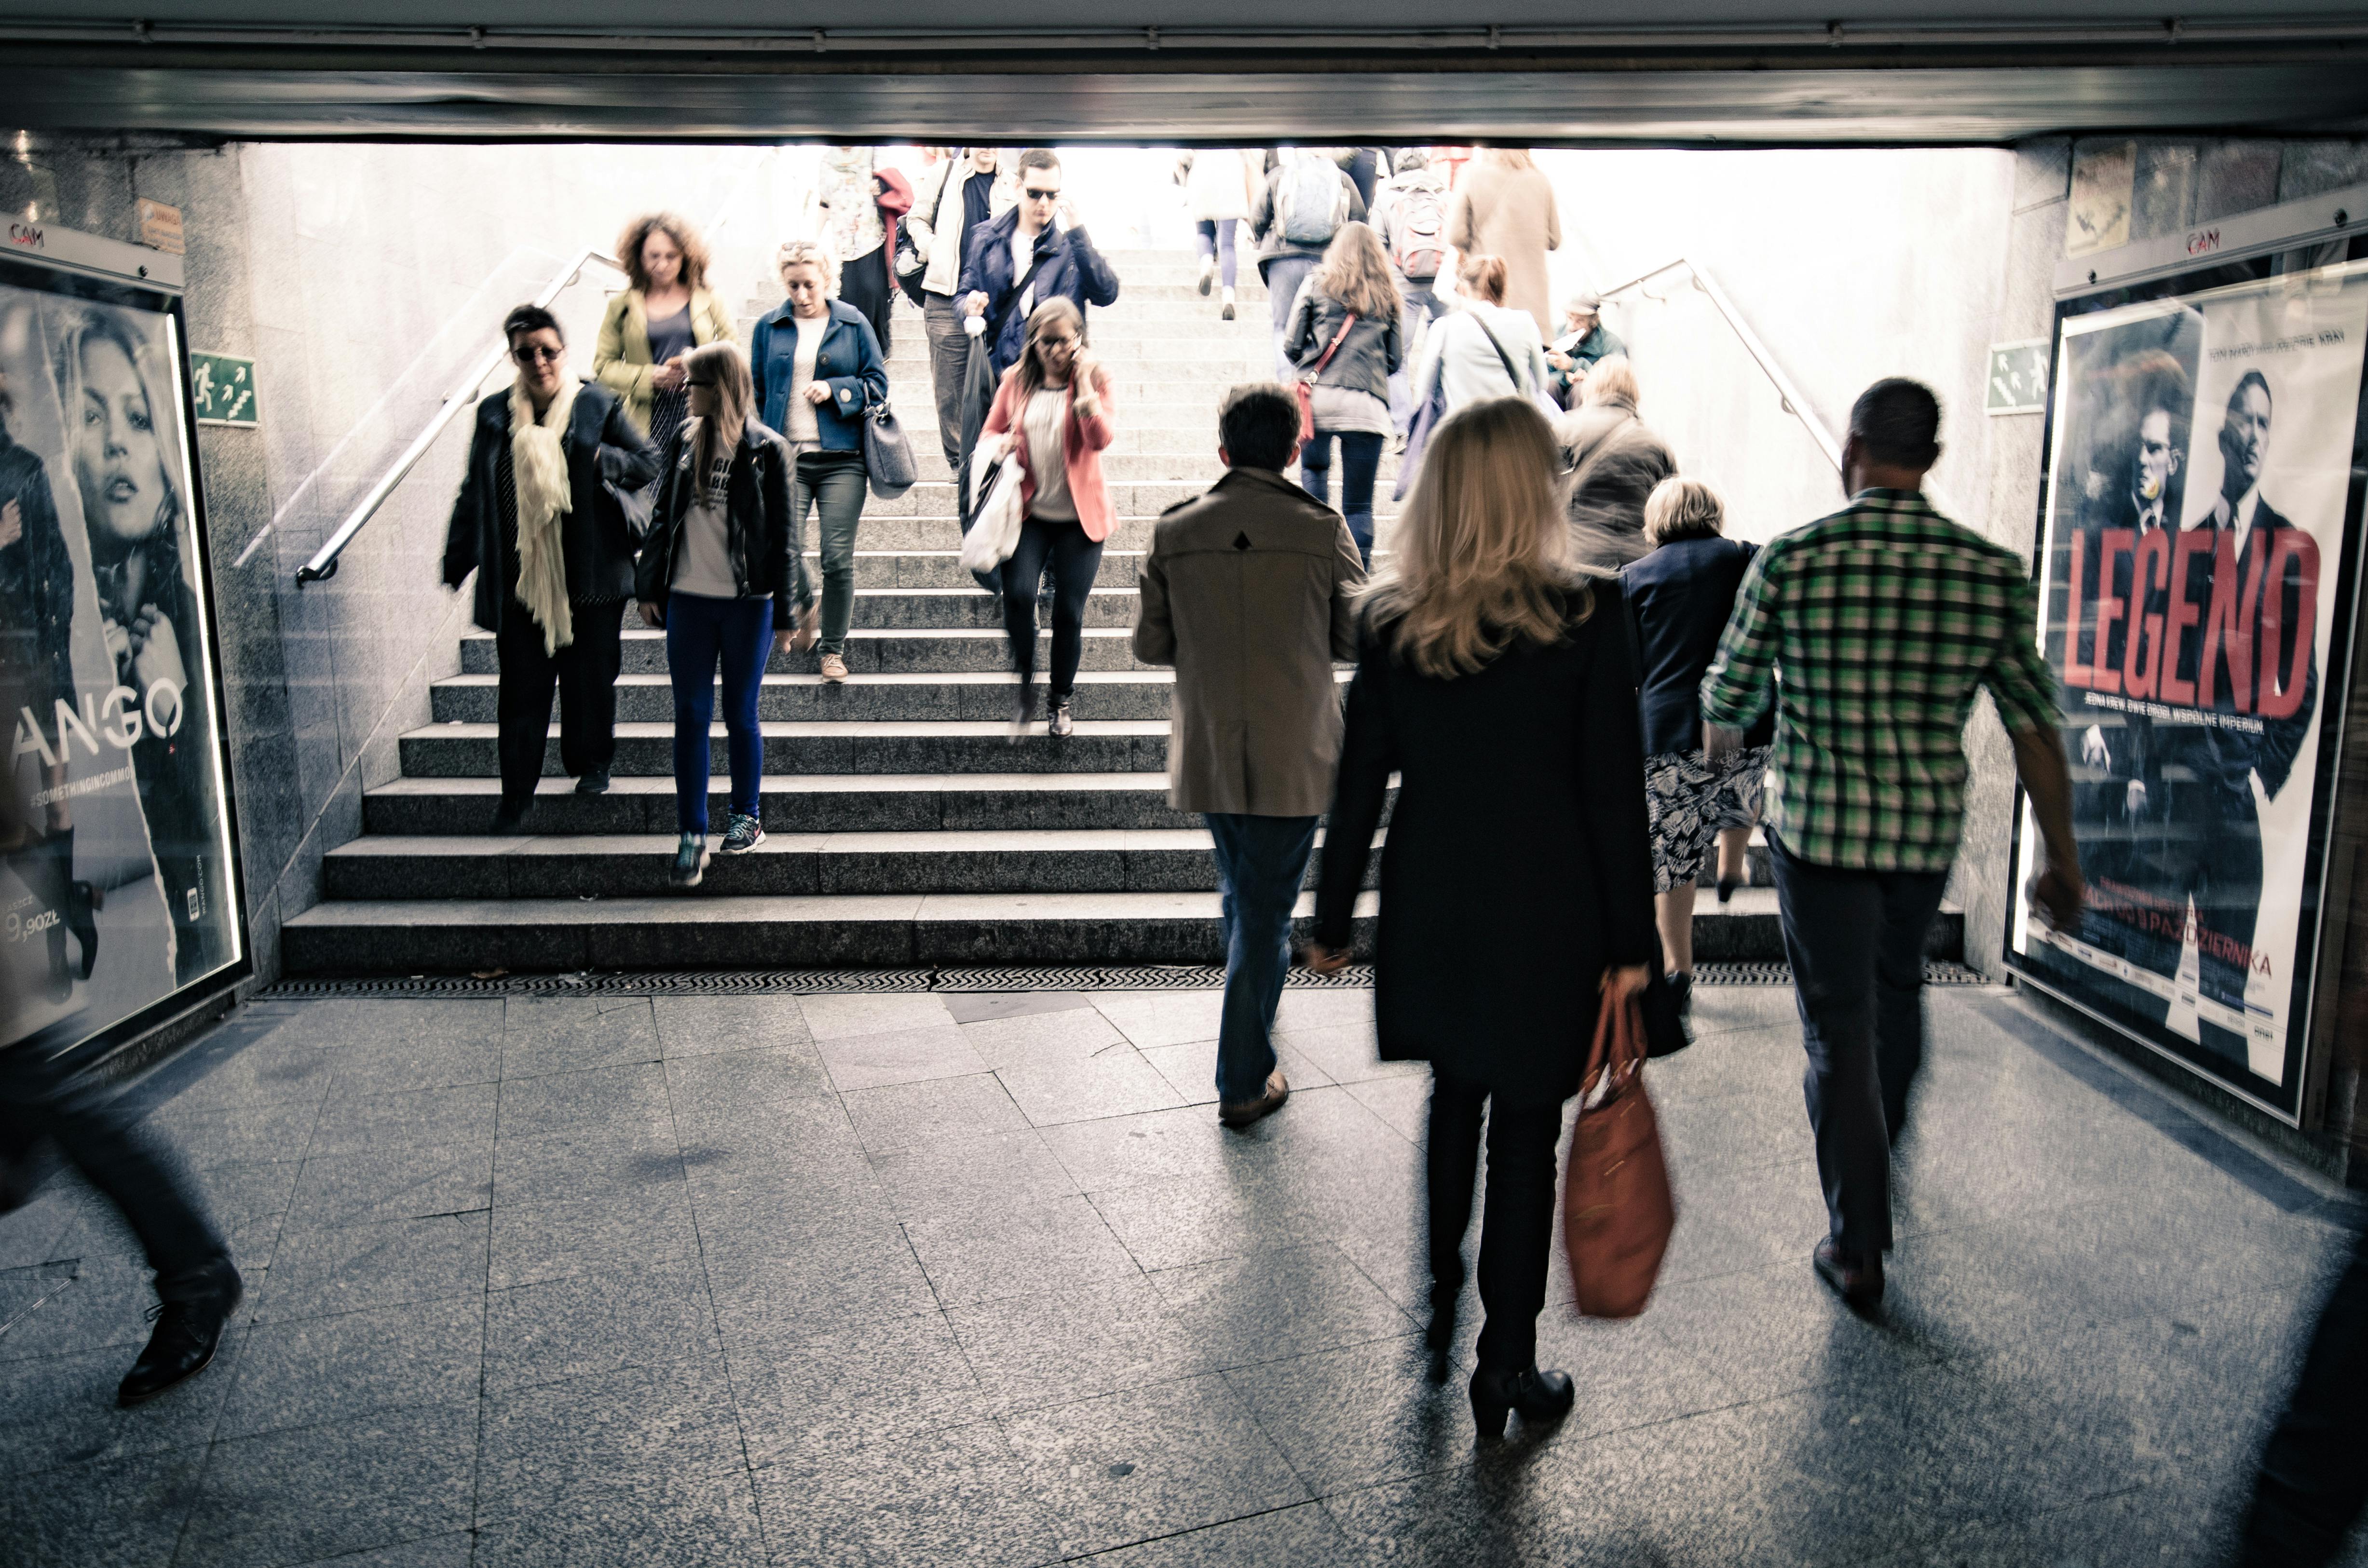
x=1054, y=408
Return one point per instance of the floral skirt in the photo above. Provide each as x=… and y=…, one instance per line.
x=1688, y=800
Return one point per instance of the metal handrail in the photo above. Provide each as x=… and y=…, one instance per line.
x=323, y=564
x=1795, y=404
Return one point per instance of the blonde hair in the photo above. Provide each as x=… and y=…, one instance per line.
x=722, y=366
x=1356, y=274
x=807, y=253
x=1611, y=377
x=1480, y=557
x=1485, y=276
x=676, y=228
x=1682, y=508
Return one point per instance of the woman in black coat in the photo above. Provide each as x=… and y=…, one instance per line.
x=1518, y=880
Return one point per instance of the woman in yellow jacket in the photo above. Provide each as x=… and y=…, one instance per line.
x=649, y=330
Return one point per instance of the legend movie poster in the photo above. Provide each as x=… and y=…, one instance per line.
x=116, y=890
x=2200, y=475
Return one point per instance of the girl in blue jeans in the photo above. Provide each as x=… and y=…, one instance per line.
x=719, y=574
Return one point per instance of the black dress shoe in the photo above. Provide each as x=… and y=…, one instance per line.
x=1539, y=1396
x=187, y=1334
x=593, y=783
x=1857, y=1280
x=509, y=814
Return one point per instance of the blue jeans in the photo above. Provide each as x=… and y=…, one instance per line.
x=1214, y=236
x=1422, y=306
x=1360, y=460
x=699, y=631
x=1261, y=861
x=1284, y=276
x=1856, y=942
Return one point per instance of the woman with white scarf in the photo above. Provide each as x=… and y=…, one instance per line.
x=540, y=523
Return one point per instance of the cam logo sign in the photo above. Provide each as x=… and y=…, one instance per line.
x=224, y=388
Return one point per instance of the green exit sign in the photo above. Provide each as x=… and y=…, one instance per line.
x=2017, y=378
x=223, y=385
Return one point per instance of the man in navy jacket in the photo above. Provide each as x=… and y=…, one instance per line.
x=1017, y=261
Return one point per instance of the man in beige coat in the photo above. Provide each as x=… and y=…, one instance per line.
x=1247, y=591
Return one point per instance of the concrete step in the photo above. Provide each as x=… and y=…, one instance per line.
x=930, y=608
x=943, y=569
x=1042, y=802
x=467, y=750
x=1143, y=498
x=1129, y=460
x=787, y=863
x=692, y=931
x=973, y=696
x=869, y=653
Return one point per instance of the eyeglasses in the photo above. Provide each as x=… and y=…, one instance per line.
x=1035, y=195
x=535, y=353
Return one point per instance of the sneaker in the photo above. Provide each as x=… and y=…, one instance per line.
x=1208, y=271
x=833, y=669
x=690, y=861
x=1228, y=313
x=745, y=833
x=1062, y=723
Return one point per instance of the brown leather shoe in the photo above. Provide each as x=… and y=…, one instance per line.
x=1242, y=1115
x=1857, y=1280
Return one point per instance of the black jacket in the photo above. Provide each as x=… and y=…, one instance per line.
x=1679, y=597
x=604, y=446
x=757, y=523
x=1367, y=356
x=1518, y=867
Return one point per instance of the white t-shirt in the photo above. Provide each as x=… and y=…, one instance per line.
x=1023, y=251
x=1045, y=423
x=801, y=420
x=702, y=563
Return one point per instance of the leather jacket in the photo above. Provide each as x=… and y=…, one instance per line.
x=764, y=558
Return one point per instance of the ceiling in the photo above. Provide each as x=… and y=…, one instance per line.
x=1672, y=72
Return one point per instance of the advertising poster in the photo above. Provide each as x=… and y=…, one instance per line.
x=2194, y=558
x=118, y=891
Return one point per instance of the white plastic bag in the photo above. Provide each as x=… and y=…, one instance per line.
x=995, y=532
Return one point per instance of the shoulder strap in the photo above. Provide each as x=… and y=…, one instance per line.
x=1520, y=383
x=1019, y=292
x=1338, y=338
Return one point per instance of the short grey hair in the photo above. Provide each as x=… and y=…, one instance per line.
x=1682, y=508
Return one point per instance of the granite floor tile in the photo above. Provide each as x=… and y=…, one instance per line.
x=1400, y=1102
x=706, y=1520
x=238, y=1134
x=961, y=1497
x=1117, y=1151
x=839, y=1018
x=532, y=1243
x=1188, y=1220
x=1346, y=1052
x=947, y=1177
x=555, y=1444
x=352, y=1268
x=871, y=1060
x=123, y=1512
x=815, y=1283
x=1021, y=1250
x=1769, y=1333
x=1190, y=1068
x=450, y=1551
x=720, y=1086
x=1361, y=1417
x=703, y=1026
x=901, y=1116
x=348, y=1366
x=829, y=1387
x=575, y=1034
x=368, y=1188
x=396, y=1476
x=357, y=1122
x=1075, y=1066
x=1271, y=1305
x=630, y=1315
x=1033, y=1351
x=59, y=1411
x=1302, y=1537
x=1151, y=1018
x=620, y=1167
x=103, y=1305
x=627, y=1100
x=1150, y=1462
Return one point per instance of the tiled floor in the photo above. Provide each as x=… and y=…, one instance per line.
x=925, y=1280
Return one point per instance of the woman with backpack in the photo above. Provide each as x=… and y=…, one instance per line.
x=1219, y=184
x=1295, y=219
x=1481, y=350
x=1345, y=341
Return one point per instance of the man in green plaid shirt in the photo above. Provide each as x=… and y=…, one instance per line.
x=1869, y=630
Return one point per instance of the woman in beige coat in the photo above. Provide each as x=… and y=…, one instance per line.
x=1505, y=206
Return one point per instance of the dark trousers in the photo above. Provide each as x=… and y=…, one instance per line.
x=1074, y=561
x=948, y=356
x=1856, y=942
x=2314, y=1479
x=831, y=485
x=1261, y=861
x=98, y=1133
x=699, y=632
x=1214, y=237
x=865, y=284
x=1516, y=1228
x=586, y=673
x=1360, y=460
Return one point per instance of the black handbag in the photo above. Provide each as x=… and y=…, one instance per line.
x=1665, y=1033
x=887, y=454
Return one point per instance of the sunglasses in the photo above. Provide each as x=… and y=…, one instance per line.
x=1035, y=195
x=535, y=353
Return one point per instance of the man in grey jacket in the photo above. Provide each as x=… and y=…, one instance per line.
x=1247, y=591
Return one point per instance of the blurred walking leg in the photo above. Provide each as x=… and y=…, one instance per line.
x=2314, y=1477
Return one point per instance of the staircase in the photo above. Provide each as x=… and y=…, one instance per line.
x=905, y=825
